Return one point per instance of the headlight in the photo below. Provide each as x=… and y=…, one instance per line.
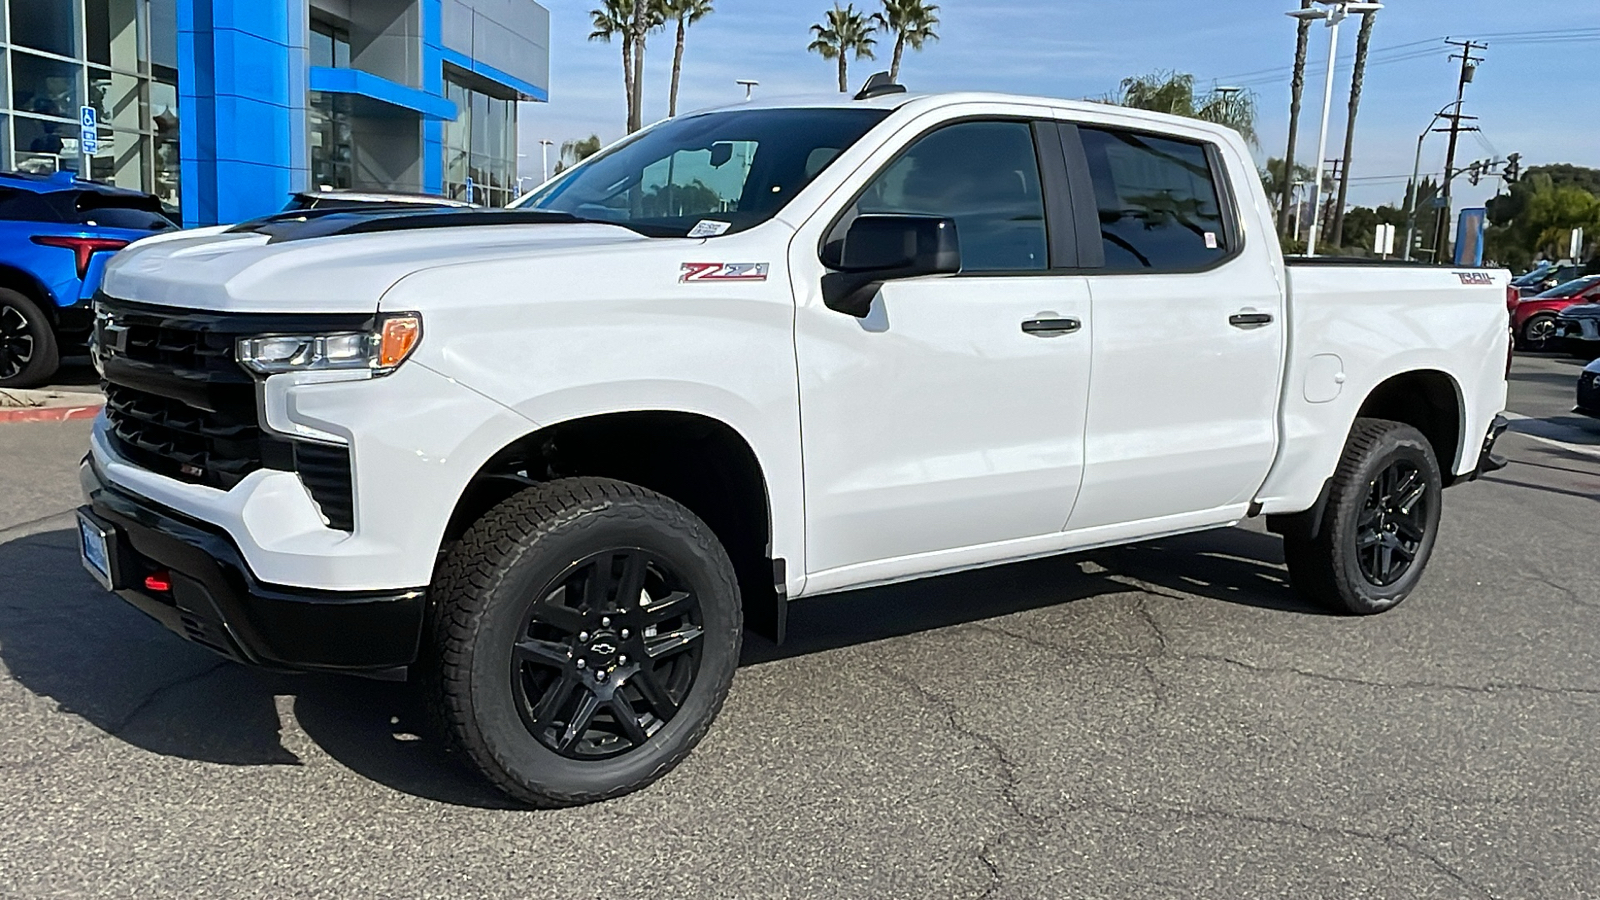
x=379, y=351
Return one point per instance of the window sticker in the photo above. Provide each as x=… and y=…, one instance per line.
x=709, y=228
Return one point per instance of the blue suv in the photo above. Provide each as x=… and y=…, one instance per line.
x=56, y=233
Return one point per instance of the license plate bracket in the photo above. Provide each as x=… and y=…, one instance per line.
x=97, y=549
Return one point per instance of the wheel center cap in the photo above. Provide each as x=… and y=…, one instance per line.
x=603, y=648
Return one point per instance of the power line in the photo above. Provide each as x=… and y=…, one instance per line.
x=1404, y=52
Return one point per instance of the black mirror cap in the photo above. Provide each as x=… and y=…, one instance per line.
x=886, y=248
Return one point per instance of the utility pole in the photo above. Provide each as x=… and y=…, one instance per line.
x=1469, y=66
x=1329, y=213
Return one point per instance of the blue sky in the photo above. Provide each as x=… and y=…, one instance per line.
x=1538, y=93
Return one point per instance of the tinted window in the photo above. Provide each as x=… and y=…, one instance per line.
x=1157, y=201
x=1572, y=288
x=985, y=176
x=735, y=169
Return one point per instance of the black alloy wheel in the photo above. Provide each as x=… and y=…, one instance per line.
x=17, y=342
x=606, y=654
x=28, y=354
x=1393, y=523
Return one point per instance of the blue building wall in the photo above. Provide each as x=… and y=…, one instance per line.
x=244, y=79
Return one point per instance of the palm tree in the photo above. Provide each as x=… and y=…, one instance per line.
x=911, y=22
x=847, y=31
x=1297, y=88
x=685, y=13
x=1173, y=93
x=1356, y=79
x=1233, y=108
x=646, y=17
x=615, y=19
x=576, y=151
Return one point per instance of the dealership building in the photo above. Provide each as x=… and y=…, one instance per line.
x=222, y=108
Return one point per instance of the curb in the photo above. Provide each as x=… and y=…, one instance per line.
x=50, y=413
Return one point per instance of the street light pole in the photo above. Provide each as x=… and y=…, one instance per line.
x=1416, y=187
x=749, y=86
x=1332, y=13
x=544, y=148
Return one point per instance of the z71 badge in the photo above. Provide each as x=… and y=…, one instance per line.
x=724, y=272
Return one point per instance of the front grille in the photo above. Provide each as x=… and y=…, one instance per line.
x=165, y=435
x=179, y=405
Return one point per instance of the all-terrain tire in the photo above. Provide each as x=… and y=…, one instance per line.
x=1363, y=528
x=489, y=584
x=28, y=352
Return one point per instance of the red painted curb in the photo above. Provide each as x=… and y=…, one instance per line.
x=50, y=413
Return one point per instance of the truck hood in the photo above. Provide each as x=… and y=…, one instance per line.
x=243, y=270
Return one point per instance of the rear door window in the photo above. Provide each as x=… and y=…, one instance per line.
x=1157, y=201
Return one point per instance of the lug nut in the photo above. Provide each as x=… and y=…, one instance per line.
x=581, y=662
x=605, y=621
x=599, y=675
x=583, y=636
x=622, y=660
x=624, y=634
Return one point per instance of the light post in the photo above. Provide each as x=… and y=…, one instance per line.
x=1331, y=12
x=544, y=147
x=1416, y=186
x=1297, y=204
x=749, y=87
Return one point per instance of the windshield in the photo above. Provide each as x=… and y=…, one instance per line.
x=710, y=174
x=1572, y=288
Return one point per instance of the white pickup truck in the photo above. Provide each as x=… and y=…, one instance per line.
x=553, y=459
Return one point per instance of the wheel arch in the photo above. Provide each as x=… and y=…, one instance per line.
x=697, y=460
x=1429, y=400
x=24, y=282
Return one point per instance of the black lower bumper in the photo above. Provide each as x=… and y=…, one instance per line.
x=214, y=600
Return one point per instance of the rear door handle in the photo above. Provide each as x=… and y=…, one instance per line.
x=1250, y=320
x=1048, y=327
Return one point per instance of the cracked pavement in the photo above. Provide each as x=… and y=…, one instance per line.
x=1163, y=720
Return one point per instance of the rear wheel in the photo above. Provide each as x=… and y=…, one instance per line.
x=1538, y=333
x=588, y=631
x=28, y=354
x=1380, y=524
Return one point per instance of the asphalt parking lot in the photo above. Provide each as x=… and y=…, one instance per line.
x=1165, y=720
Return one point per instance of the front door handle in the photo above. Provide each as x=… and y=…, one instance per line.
x=1250, y=319
x=1048, y=327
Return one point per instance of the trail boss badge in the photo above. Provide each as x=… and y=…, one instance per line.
x=724, y=272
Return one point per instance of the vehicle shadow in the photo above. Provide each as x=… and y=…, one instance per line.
x=63, y=638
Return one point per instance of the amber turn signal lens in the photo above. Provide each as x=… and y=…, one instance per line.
x=398, y=338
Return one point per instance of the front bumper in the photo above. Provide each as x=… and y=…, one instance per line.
x=1588, y=394
x=216, y=601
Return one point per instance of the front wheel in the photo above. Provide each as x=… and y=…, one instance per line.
x=1380, y=524
x=587, y=634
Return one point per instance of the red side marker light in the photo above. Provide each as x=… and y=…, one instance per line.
x=160, y=582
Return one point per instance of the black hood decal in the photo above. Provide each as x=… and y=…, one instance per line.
x=299, y=225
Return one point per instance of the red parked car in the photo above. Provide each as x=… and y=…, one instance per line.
x=1533, y=319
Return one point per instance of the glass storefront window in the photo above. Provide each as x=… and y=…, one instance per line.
x=46, y=87
x=44, y=146
x=112, y=31
x=330, y=141
x=330, y=45
x=48, y=25
x=480, y=146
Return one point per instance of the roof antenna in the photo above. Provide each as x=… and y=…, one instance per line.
x=879, y=85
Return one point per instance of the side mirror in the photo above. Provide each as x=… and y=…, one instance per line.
x=721, y=152
x=877, y=249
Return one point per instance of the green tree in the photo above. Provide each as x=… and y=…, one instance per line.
x=1174, y=93
x=684, y=13
x=912, y=22
x=1297, y=87
x=845, y=31
x=1536, y=217
x=1357, y=78
x=1272, y=177
x=576, y=151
